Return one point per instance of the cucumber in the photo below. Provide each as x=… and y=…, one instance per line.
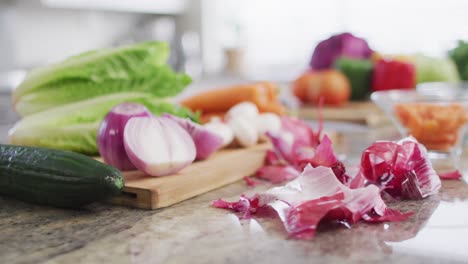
x=54, y=177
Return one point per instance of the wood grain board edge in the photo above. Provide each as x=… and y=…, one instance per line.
x=135, y=197
x=223, y=168
x=366, y=113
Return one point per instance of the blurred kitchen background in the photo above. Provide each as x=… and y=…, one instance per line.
x=219, y=39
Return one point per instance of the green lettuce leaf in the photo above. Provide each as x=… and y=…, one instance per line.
x=134, y=68
x=74, y=126
x=162, y=81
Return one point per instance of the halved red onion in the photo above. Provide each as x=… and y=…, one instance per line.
x=206, y=142
x=158, y=146
x=110, y=134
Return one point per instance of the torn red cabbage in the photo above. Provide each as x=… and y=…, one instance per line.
x=298, y=153
x=277, y=173
x=451, y=175
x=272, y=158
x=402, y=169
x=302, y=133
x=316, y=196
x=322, y=155
x=251, y=181
x=357, y=181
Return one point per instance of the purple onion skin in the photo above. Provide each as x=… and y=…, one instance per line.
x=110, y=134
x=206, y=142
x=342, y=45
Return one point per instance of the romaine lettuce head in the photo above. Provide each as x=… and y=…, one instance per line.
x=134, y=68
x=162, y=81
x=74, y=126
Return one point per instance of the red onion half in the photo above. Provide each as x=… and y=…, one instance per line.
x=206, y=142
x=158, y=146
x=110, y=134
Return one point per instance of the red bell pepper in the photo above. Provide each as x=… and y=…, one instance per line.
x=393, y=74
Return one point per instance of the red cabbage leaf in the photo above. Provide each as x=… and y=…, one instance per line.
x=402, y=169
x=296, y=146
x=452, y=175
x=251, y=181
x=316, y=196
x=277, y=173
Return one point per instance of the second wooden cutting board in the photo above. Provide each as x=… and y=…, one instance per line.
x=357, y=112
x=224, y=167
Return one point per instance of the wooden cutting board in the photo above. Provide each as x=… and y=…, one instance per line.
x=357, y=112
x=224, y=167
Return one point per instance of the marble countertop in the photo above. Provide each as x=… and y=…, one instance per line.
x=195, y=232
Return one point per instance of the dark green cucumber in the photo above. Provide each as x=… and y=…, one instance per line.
x=55, y=177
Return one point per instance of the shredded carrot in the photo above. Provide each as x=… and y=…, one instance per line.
x=434, y=125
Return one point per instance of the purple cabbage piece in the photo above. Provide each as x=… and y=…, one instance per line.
x=341, y=45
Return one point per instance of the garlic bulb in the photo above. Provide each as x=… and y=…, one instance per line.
x=245, y=131
x=221, y=129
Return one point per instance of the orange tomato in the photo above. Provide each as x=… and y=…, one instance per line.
x=299, y=87
x=331, y=85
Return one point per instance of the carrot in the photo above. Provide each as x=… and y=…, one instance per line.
x=276, y=108
x=262, y=94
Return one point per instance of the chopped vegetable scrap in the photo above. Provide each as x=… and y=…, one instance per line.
x=277, y=173
x=251, y=181
x=323, y=192
x=316, y=196
x=402, y=169
x=295, y=146
x=452, y=175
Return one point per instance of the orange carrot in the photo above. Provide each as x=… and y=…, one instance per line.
x=262, y=94
x=276, y=108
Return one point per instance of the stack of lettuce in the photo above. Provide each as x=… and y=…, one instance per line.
x=63, y=104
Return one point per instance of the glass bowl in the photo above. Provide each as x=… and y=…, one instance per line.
x=436, y=116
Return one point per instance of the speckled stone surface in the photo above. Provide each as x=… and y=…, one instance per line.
x=194, y=232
